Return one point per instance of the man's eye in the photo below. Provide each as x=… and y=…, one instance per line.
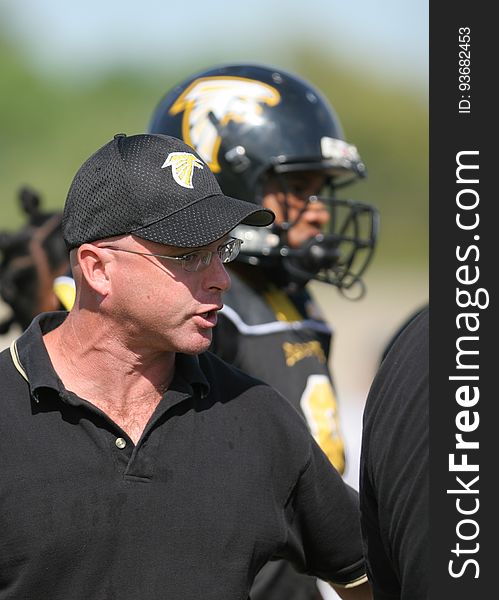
x=190, y=258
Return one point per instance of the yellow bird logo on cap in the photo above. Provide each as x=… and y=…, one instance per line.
x=182, y=164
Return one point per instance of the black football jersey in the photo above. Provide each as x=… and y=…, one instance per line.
x=283, y=340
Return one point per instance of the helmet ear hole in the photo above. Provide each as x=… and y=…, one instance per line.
x=237, y=159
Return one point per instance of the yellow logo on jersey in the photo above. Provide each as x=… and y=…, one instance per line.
x=296, y=352
x=182, y=164
x=209, y=102
x=319, y=406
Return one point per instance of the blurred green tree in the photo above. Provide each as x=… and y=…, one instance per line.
x=49, y=125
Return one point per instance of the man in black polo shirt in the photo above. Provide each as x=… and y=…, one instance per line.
x=394, y=473
x=136, y=465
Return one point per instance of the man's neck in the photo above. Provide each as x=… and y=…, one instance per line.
x=126, y=385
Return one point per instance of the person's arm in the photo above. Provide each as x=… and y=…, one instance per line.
x=359, y=592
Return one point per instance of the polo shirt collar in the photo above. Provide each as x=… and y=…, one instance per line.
x=187, y=367
x=32, y=360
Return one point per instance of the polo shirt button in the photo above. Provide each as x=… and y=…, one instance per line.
x=120, y=443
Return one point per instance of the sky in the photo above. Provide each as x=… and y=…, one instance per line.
x=387, y=36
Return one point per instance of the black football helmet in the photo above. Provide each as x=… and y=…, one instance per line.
x=251, y=121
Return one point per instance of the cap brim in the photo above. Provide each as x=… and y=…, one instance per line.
x=204, y=222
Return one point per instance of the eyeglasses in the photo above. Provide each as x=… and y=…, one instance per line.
x=198, y=260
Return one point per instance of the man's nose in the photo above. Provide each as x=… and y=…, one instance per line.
x=217, y=275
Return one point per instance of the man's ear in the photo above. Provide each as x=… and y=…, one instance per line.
x=94, y=265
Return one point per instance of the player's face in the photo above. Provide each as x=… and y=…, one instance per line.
x=160, y=303
x=291, y=197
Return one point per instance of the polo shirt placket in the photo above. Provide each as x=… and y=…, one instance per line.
x=134, y=462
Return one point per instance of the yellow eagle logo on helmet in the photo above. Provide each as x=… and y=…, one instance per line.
x=182, y=164
x=224, y=99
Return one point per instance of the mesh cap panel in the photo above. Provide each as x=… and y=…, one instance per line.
x=155, y=187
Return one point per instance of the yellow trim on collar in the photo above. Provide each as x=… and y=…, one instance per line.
x=16, y=361
x=351, y=584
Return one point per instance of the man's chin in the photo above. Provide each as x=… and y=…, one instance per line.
x=200, y=345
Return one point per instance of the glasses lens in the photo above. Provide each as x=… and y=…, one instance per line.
x=198, y=261
x=229, y=251
x=193, y=261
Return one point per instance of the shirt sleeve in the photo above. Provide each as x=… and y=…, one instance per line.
x=323, y=524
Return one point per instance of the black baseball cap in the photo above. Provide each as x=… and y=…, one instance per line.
x=155, y=187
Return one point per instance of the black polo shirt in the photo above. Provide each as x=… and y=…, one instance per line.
x=224, y=477
x=394, y=468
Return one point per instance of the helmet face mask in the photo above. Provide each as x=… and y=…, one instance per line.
x=249, y=121
x=341, y=254
x=338, y=253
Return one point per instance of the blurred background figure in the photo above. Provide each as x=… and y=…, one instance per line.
x=30, y=259
x=394, y=467
x=271, y=138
